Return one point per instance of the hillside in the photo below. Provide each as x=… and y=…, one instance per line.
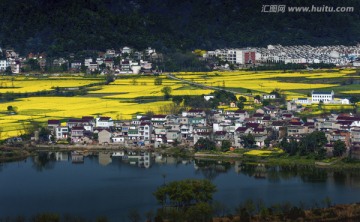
x=64, y=26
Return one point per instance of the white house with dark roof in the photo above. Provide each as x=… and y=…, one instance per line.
x=104, y=122
x=302, y=101
x=325, y=96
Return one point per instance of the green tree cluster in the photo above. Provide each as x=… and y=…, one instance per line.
x=204, y=144
x=311, y=144
x=185, y=193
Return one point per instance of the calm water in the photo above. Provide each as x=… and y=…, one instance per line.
x=105, y=186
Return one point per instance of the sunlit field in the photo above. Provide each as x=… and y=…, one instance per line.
x=144, y=87
x=23, y=85
x=266, y=81
x=43, y=108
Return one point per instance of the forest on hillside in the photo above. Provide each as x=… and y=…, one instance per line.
x=62, y=26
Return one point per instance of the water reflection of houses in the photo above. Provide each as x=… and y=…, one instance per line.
x=77, y=157
x=61, y=156
x=260, y=171
x=139, y=158
x=104, y=158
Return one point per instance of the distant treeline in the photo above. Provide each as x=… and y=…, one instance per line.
x=60, y=27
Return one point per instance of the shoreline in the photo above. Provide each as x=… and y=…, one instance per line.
x=279, y=160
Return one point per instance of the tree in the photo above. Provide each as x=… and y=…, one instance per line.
x=313, y=143
x=248, y=141
x=276, y=92
x=240, y=105
x=185, y=193
x=158, y=81
x=242, y=99
x=167, y=92
x=267, y=141
x=177, y=99
x=44, y=134
x=201, y=212
x=257, y=97
x=109, y=79
x=265, y=102
x=204, y=144
x=33, y=64
x=354, y=99
x=8, y=71
x=321, y=105
x=225, y=145
x=339, y=148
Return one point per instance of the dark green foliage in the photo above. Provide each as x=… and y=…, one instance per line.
x=8, y=71
x=276, y=92
x=225, y=145
x=33, y=65
x=167, y=92
x=109, y=79
x=64, y=26
x=177, y=99
x=310, y=144
x=204, y=144
x=46, y=217
x=201, y=212
x=224, y=97
x=44, y=134
x=185, y=193
x=158, y=81
x=248, y=141
x=240, y=105
x=354, y=99
x=339, y=148
x=242, y=99
x=295, y=213
x=196, y=102
x=265, y=102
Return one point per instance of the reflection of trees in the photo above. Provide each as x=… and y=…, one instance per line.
x=211, y=168
x=312, y=174
x=44, y=160
x=248, y=169
x=339, y=177
x=273, y=174
x=276, y=173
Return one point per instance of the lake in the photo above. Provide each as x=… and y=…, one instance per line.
x=101, y=185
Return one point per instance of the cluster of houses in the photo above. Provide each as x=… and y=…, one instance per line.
x=300, y=54
x=123, y=61
x=267, y=123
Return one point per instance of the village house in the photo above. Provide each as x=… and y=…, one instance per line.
x=61, y=132
x=104, y=136
x=52, y=124
x=104, y=122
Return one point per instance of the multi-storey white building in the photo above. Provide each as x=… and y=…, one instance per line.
x=3, y=65
x=322, y=96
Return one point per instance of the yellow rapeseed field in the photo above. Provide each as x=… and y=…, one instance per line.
x=23, y=86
